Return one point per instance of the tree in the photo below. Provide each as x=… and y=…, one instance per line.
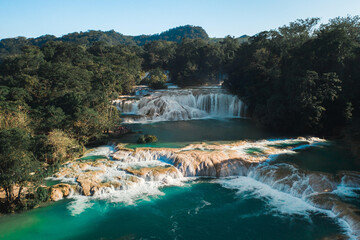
x=158, y=54
x=156, y=79
x=62, y=145
x=299, y=78
x=17, y=164
x=196, y=62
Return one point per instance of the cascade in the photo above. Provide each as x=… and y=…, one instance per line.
x=184, y=104
x=135, y=173
x=127, y=106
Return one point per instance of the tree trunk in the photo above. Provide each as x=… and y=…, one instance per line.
x=9, y=194
x=19, y=193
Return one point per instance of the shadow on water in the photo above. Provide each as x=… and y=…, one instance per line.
x=330, y=157
x=181, y=133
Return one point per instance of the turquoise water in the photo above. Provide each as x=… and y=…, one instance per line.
x=240, y=208
x=202, y=210
x=330, y=157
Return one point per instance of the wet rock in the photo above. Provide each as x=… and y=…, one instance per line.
x=349, y=178
x=323, y=200
x=138, y=167
x=347, y=212
x=337, y=237
x=155, y=173
x=59, y=191
x=203, y=159
x=350, y=214
x=321, y=182
x=89, y=182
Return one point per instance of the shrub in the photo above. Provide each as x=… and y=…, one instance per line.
x=147, y=139
x=42, y=194
x=150, y=138
x=156, y=79
x=141, y=139
x=158, y=85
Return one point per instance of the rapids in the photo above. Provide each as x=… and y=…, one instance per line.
x=252, y=166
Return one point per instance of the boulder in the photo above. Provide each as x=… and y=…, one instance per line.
x=59, y=191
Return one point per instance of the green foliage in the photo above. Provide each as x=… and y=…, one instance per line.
x=174, y=35
x=158, y=54
x=156, y=79
x=13, y=46
x=141, y=139
x=198, y=62
x=62, y=146
x=53, y=100
x=299, y=78
x=88, y=38
x=147, y=139
x=56, y=93
x=42, y=194
x=18, y=166
x=195, y=63
x=67, y=86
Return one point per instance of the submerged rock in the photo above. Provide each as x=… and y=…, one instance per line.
x=350, y=214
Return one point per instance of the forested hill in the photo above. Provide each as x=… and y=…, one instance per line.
x=174, y=35
x=111, y=38
x=241, y=39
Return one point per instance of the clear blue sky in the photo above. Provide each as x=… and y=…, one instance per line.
x=32, y=18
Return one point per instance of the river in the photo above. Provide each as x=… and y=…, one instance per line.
x=285, y=196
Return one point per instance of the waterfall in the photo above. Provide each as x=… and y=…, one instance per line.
x=128, y=106
x=175, y=105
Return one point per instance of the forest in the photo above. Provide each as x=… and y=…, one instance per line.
x=56, y=93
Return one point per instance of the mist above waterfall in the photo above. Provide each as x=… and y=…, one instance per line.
x=183, y=104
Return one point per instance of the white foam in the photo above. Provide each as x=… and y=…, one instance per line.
x=278, y=201
x=287, y=201
x=142, y=190
x=62, y=179
x=101, y=151
x=346, y=191
x=79, y=204
x=175, y=105
x=196, y=210
x=129, y=188
x=284, y=195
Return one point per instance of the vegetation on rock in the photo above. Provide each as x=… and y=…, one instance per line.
x=147, y=139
